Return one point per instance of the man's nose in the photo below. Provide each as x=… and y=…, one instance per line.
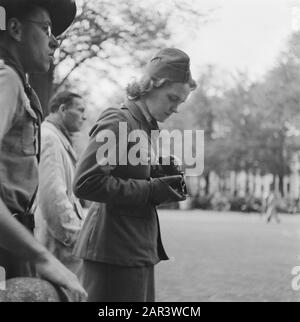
x=54, y=44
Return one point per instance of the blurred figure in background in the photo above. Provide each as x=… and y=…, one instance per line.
x=59, y=214
x=272, y=204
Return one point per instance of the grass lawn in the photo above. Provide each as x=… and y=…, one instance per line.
x=227, y=257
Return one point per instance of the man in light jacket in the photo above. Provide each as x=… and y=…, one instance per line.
x=59, y=214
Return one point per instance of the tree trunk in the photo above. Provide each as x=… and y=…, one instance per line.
x=282, y=167
x=281, y=190
x=207, y=184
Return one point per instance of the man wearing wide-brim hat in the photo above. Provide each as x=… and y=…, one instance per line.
x=26, y=45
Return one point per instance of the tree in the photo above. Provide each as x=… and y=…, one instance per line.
x=252, y=125
x=260, y=118
x=279, y=108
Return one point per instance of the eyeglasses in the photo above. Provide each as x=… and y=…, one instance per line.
x=44, y=25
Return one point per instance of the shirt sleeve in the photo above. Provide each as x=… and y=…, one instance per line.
x=9, y=99
x=96, y=182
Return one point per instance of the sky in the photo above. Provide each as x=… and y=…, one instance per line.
x=244, y=34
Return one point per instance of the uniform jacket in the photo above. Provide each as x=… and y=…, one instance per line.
x=59, y=215
x=18, y=142
x=122, y=226
x=19, y=148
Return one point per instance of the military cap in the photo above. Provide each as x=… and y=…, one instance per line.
x=172, y=64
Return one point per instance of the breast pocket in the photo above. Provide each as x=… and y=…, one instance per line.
x=30, y=133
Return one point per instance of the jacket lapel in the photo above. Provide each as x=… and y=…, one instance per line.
x=65, y=142
x=136, y=112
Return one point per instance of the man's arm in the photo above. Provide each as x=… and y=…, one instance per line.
x=9, y=96
x=16, y=239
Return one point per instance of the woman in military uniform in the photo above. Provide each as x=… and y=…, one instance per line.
x=120, y=241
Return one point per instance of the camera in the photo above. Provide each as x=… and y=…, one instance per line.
x=169, y=166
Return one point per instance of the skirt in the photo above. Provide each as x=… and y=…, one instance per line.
x=112, y=283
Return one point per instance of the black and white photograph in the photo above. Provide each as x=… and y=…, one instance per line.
x=149, y=153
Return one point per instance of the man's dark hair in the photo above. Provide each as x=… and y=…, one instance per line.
x=64, y=97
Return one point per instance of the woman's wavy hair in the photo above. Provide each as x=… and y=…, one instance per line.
x=138, y=88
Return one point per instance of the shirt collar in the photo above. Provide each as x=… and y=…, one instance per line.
x=142, y=114
x=51, y=119
x=145, y=112
x=10, y=60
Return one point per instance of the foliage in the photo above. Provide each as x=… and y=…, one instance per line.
x=109, y=35
x=252, y=125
